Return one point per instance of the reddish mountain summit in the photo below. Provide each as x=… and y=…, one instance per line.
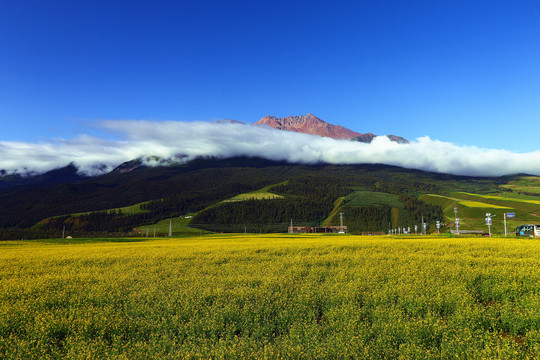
x=309, y=124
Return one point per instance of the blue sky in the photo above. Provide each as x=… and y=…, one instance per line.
x=465, y=72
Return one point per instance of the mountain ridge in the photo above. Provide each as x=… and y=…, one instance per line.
x=308, y=124
x=311, y=124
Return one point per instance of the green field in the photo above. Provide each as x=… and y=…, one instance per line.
x=131, y=209
x=505, y=198
x=281, y=296
x=469, y=203
x=333, y=214
x=255, y=195
x=524, y=184
x=179, y=227
x=473, y=207
x=364, y=209
x=261, y=194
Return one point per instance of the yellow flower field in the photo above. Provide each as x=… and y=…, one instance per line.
x=477, y=204
x=271, y=296
x=503, y=198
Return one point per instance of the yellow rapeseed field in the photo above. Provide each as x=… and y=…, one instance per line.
x=271, y=296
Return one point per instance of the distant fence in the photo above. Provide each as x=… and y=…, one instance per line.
x=467, y=232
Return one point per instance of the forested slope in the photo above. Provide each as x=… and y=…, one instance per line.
x=308, y=191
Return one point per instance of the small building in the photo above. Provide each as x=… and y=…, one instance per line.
x=316, y=229
x=528, y=230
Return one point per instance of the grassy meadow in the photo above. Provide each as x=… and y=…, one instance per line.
x=271, y=296
x=180, y=226
x=472, y=209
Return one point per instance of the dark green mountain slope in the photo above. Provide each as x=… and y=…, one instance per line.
x=176, y=190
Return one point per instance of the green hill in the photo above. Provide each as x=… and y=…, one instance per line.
x=179, y=227
x=526, y=185
x=472, y=209
x=232, y=194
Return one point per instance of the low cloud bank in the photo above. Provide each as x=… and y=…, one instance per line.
x=168, y=139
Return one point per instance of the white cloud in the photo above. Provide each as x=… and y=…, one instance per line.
x=167, y=139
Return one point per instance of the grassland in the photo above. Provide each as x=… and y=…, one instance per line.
x=476, y=204
x=255, y=195
x=261, y=194
x=470, y=203
x=473, y=207
x=518, y=197
x=282, y=296
x=179, y=227
x=128, y=210
x=524, y=184
x=337, y=207
x=505, y=198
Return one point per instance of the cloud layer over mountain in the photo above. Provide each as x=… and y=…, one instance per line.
x=168, y=139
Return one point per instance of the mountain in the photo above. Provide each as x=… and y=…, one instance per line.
x=129, y=166
x=308, y=194
x=398, y=139
x=310, y=124
x=66, y=174
x=372, y=197
x=368, y=138
x=230, y=121
x=148, y=161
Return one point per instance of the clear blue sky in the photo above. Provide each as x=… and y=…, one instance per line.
x=467, y=72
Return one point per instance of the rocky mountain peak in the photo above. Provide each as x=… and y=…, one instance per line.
x=308, y=124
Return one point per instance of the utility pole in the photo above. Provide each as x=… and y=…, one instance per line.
x=488, y=223
x=341, y=231
x=423, y=229
x=147, y=231
x=456, y=221
x=504, y=224
x=292, y=231
x=170, y=228
x=154, y=232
